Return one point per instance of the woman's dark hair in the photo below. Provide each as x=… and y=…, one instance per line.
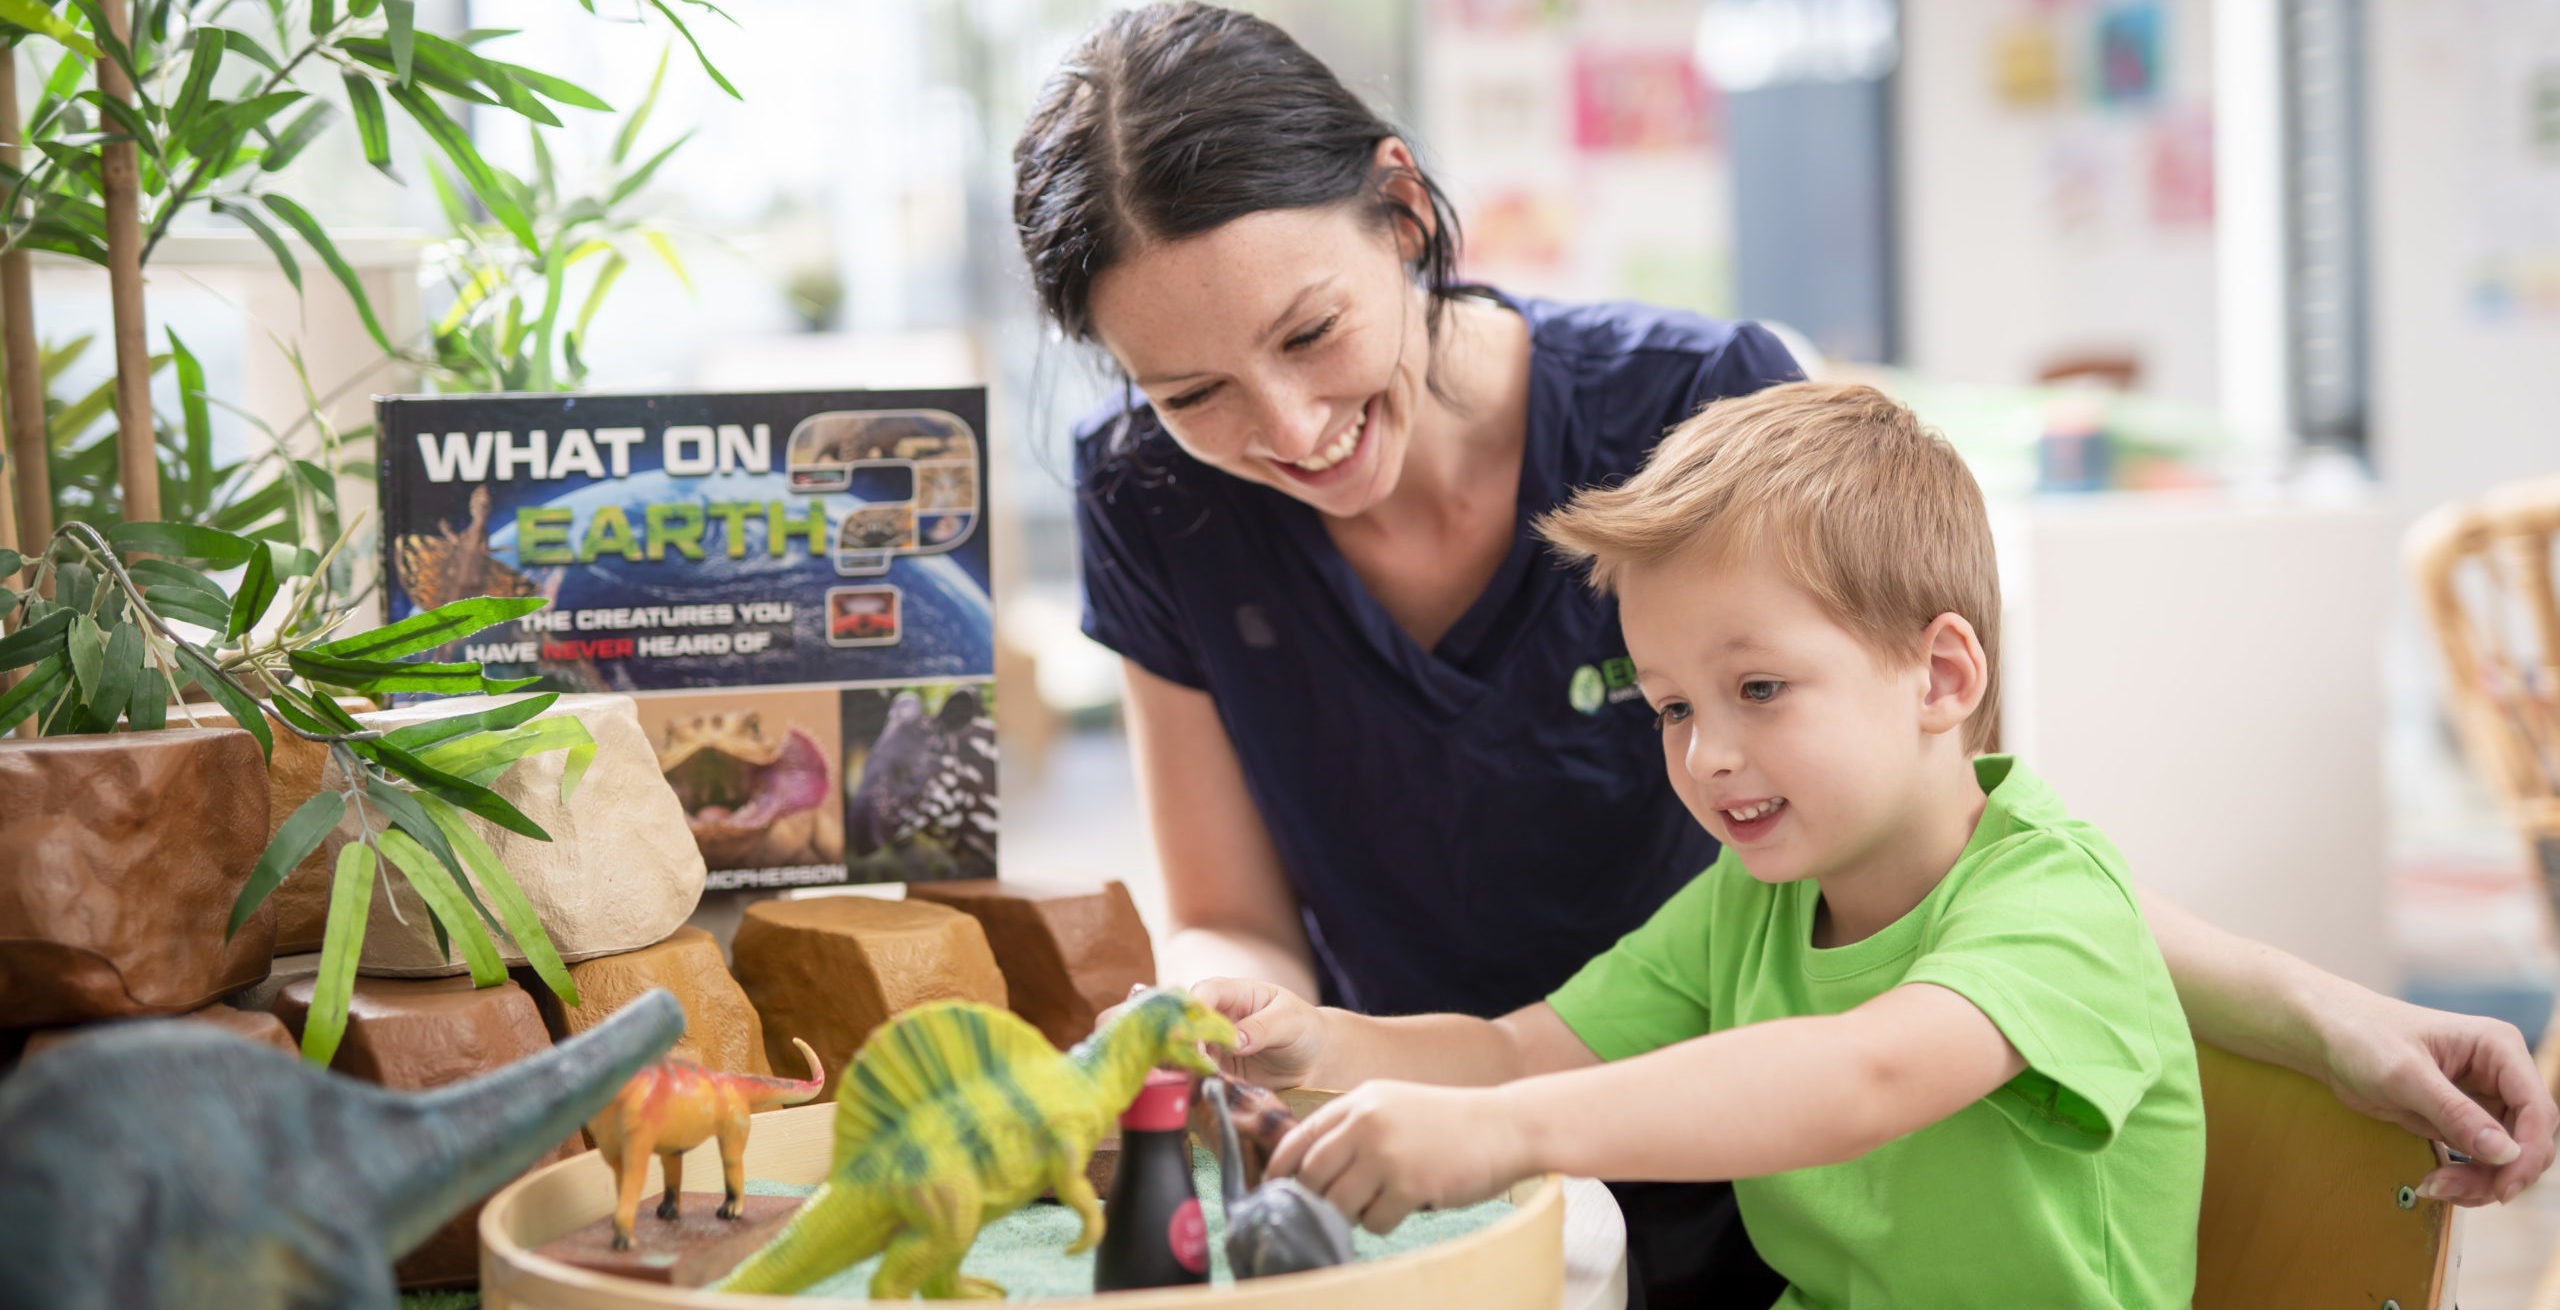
x=1170, y=120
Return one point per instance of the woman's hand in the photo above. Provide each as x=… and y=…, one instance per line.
x=1385, y=1149
x=1279, y=1037
x=2465, y=1081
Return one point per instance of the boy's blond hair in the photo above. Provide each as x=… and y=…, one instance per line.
x=1860, y=505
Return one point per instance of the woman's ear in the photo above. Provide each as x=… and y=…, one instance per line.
x=1959, y=674
x=1401, y=185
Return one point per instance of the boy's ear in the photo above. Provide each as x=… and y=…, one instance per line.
x=1959, y=673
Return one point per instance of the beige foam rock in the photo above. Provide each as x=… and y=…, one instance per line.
x=829, y=970
x=721, y=1030
x=1067, y=954
x=620, y=872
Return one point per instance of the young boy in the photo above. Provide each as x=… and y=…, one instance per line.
x=1912, y=1009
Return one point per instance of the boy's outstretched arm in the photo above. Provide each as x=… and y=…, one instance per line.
x=1788, y=1094
x=1282, y=1041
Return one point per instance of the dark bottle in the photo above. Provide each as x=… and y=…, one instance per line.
x=1153, y=1234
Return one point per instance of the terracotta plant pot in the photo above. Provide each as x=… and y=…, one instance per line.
x=120, y=856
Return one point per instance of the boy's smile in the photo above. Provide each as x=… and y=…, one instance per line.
x=1797, y=744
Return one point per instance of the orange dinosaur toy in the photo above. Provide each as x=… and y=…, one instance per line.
x=675, y=1105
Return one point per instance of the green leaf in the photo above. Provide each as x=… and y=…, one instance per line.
x=149, y=709
x=297, y=134
x=433, y=628
x=668, y=11
x=324, y=15
x=482, y=756
x=34, y=691
x=242, y=708
x=419, y=736
x=199, y=419
x=300, y=220
x=235, y=39
x=87, y=648
x=249, y=601
x=257, y=226
x=371, y=126
x=182, y=540
x=401, y=807
x=341, y=942
x=39, y=18
x=402, y=16
x=445, y=901
x=36, y=640
x=200, y=70
x=461, y=792
x=217, y=132
x=371, y=677
x=10, y=561
x=290, y=560
x=160, y=572
x=544, y=84
x=210, y=613
x=513, y=907
x=640, y=176
x=667, y=252
x=118, y=674
x=476, y=173
x=575, y=770
x=362, y=8
x=622, y=140
x=293, y=843
x=127, y=120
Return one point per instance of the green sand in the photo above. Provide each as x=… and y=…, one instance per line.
x=1025, y=1250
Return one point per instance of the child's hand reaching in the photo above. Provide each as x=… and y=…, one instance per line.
x=1385, y=1149
x=1278, y=1035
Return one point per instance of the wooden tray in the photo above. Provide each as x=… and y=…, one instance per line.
x=1515, y=1263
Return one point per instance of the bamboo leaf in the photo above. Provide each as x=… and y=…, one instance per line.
x=242, y=708
x=153, y=572
x=33, y=691
x=128, y=122
x=292, y=561
x=350, y=900
x=371, y=126
x=249, y=601
x=210, y=613
x=121, y=669
x=428, y=630
x=401, y=807
x=575, y=770
x=39, y=18
x=419, y=736
x=544, y=84
x=296, y=135
x=668, y=11
x=293, y=843
x=374, y=677
x=481, y=757
x=605, y=278
x=36, y=640
x=300, y=220
x=513, y=907
x=402, y=17
x=257, y=226
x=324, y=15
x=476, y=173
x=462, y=793
x=640, y=176
x=235, y=39
x=444, y=901
x=200, y=70
x=183, y=540
x=87, y=648
x=199, y=419
x=630, y=133
x=667, y=251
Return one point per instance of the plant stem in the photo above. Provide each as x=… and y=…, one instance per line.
x=24, y=371
x=137, y=456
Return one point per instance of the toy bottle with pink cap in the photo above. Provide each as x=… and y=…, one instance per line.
x=1153, y=1233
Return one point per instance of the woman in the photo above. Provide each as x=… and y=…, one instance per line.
x=1390, y=752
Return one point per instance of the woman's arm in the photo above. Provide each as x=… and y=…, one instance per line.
x=2467, y=1082
x=1234, y=914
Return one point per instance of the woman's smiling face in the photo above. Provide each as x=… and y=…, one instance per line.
x=1288, y=347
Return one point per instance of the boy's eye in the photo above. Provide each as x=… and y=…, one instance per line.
x=1673, y=712
x=1761, y=691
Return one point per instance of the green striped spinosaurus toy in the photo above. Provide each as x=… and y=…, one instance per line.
x=954, y=1114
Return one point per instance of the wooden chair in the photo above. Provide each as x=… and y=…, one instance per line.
x=2484, y=569
x=2309, y=1205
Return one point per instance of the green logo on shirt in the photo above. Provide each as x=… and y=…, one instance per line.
x=1587, y=692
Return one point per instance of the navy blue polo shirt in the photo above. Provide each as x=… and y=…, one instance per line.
x=1464, y=825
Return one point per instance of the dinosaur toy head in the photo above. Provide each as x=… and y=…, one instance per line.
x=1170, y=1026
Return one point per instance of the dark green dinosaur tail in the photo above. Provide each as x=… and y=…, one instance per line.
x=447, y=1148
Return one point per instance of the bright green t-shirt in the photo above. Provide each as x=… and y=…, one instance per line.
x=2075, y=1184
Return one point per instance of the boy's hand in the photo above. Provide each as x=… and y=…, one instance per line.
x=1387, y=1148
x=1278, y=1035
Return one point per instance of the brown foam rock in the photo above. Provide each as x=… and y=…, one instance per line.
x=413, y=1034
x=120, y=856
x=1067, y=955
x=721, y=1031
x=255, y=1025
x=620, y=872
x=829, y=969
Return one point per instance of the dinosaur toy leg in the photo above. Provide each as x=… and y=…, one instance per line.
x=631, y=1172
x=835, y=1227
x=1066, y=1178
x=671, y=1166
x=942, y=1221
x=733, y=1164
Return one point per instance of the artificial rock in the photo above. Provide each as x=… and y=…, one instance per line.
x=120, y=857
x=413, y=1034
x=721, y=1030
x=1066, y=956
x=620, y=872
x=294, y=771
x=830, y=969
x=255, y=1025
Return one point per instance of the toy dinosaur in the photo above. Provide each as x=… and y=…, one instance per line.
x=956, y=1113
x=170, y=1164
x=674, y=1106
x=1279, y=1227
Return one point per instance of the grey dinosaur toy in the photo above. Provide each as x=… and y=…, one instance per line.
x=168, y=1164
x=1279, y=1227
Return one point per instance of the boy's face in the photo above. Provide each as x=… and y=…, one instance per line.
x=1783, y=733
